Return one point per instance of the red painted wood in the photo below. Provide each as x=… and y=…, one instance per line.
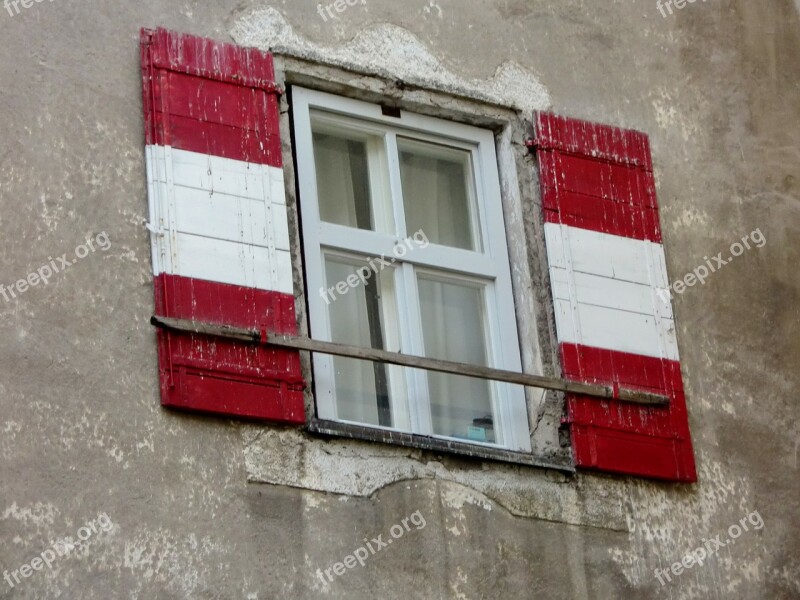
x=583, y=138
x=237, y=306
x=223, y=103
x=586, y=189
x=599, y=214
x=208, y=374
x=625, y=438
x=210, y=97
x=209, y=59
x=247, y=398
x=218, y=140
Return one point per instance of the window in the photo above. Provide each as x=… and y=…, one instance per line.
x=405, y=250
x=418, y=200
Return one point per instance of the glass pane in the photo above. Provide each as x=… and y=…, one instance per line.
x=343, y=180
x=359, y=309
x=453, y=323
x=438, y=193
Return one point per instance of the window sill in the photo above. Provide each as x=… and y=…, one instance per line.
x=421, y=442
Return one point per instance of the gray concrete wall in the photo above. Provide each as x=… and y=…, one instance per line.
x=192, y=507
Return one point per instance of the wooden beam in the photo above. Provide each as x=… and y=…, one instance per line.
x=406, y=360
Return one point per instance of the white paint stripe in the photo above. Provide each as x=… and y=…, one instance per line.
x=601, y=254
x=624, y=331
x=218, y=219
x=605, y=289
x=217, y=174
x=606, y=292
x=234, y=263
x=220, y=216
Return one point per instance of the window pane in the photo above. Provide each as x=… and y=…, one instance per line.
x=358, y=317
x=438, y=193
x=453, y=324
x=343, y=180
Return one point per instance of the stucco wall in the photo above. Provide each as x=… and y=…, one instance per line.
x=208, y=508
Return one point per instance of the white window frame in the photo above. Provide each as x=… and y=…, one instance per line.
x=491, y=265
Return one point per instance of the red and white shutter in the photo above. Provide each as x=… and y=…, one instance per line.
x=613, y=314
x=220, y=237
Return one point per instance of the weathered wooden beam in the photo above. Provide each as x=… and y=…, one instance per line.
x=406, y=360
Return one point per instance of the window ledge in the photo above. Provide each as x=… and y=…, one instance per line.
x=410, y=440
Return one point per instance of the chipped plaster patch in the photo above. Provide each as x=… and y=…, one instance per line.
x=691, y=217
x=351, y=468
x=456, y=585
x=667, y=115
x=454, y=497
x=311, y=502
x=11, y=428
x=428, y=10
x=38, y=514
x=395, y=53
x=457, y=496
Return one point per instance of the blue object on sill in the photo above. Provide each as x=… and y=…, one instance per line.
x=476, y=433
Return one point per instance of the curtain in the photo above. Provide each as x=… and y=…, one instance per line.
x=342, y=181
x=361, y=388
x=453, y=329
x=435, y=193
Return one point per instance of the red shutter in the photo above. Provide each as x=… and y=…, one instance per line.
x=610, y=289
x=218, y=218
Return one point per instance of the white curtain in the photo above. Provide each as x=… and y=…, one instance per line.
x=435, y=194
x=356, y=396
x=453, y=329
x=336, y=159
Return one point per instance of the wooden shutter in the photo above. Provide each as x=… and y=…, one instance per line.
x=220, y=237
x=613, y=314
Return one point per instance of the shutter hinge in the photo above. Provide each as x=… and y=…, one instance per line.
x=154, y=230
